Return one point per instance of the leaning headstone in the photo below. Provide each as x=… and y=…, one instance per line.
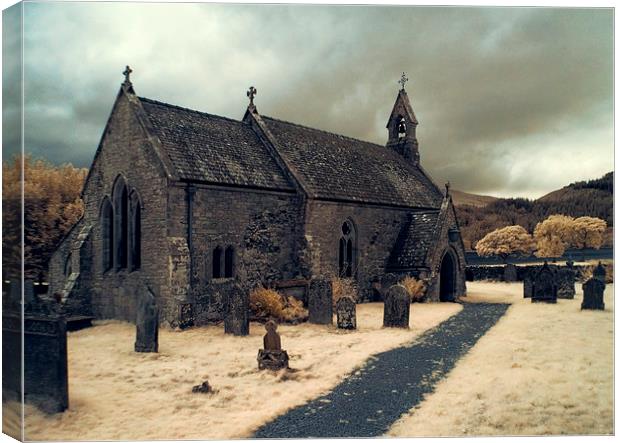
x=236, y=311
x=510, y=273
x=272, y=356
x=593, y=291
x=320, y=309
x=544, y=286
x=527, y=285
x=599, y=272
x=566, y=282
x=147, y=322
x=396, y=307
x=346, y=313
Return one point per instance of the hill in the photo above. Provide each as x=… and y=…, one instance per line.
x=592, y=198
x=461, y=198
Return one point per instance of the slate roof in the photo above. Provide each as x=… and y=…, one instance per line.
x=337, y=167
x=414, y=240
x=209, y=148
x=214, y=149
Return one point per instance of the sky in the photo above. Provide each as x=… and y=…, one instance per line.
x=510, y=101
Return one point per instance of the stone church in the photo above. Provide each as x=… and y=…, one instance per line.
x=186, y=202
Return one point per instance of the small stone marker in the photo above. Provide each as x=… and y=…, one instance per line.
x=272, y=357
x=346, y=313
x=544, y=286
x=510, y=273
x=593, y=291
x=203, y=388
x=147, y=322
x=320, y=309
x=566, y=282
x=527, y=286
x=396, y=307
x=236, y=309
x=599, y=272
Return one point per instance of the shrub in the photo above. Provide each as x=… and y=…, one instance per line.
x=268, y=304
x=415, y=288
x=343, y=287
x=588, y=272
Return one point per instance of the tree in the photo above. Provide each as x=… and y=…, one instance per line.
x=588, y=232
x=51, y=206
x=504, y=242
x=553, y=235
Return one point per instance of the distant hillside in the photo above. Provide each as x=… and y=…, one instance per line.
x=461, y=198
x=592, y=198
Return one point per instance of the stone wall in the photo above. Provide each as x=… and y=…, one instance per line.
x=496, y=273
x=125, y=151
x=262, y=227
x=376, y=231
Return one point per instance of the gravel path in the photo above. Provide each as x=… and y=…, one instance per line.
x=390, y=384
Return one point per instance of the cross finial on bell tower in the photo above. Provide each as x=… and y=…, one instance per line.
x=126, y=73
x=402, y=81
x=251, y=94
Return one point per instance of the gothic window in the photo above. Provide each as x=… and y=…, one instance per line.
x=68, y=266
x=346, y=250
x=217, y=263
x=107, y=234
x=229, y=262
x=136, y=232
x=121, y=223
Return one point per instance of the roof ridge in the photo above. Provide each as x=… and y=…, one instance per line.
x=169, y=105
x=323, y=131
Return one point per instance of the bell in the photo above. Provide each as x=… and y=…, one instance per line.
x=402, y=129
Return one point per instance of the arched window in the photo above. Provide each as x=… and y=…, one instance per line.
x=107, y=234
x=136, y=232
x=346, y=250
x=229, y=262
x=217, y=263
x=121, y=223
x=68, y=266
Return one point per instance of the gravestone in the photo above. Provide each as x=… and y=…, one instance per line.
x=599, y=272
x=396, y=307
x=544, y=286
x=593, y=291
x=236, y=311
x=272, y=356
x=346, y=313
x=147, y=322
x=527, y=285
x=510, y=273
x=566, y=282
x=45, y=380
x=320, y=304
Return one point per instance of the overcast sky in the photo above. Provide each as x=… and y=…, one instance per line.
x=511, y=101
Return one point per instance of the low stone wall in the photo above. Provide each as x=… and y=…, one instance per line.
x=496, y=273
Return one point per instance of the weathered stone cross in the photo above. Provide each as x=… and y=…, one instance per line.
x=402, y=81
x=126, y=73
x=251, y=93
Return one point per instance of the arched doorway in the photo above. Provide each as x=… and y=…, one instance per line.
x=447, y=278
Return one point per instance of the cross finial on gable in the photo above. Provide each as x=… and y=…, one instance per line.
x=251, y=93
x=402, y=81
x=447, y=185
x=126, y=73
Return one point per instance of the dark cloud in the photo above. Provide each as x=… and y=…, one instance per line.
x=511, y=101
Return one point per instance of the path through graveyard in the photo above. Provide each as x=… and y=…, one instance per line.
x=367, y=403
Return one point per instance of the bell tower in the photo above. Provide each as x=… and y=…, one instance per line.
x=402, y=125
